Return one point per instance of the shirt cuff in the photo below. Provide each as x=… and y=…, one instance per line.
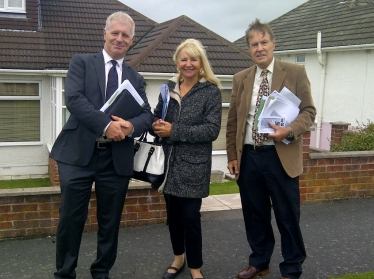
x=132, y=132
x=106, y=128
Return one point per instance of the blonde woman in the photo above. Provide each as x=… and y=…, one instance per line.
x=192, y=122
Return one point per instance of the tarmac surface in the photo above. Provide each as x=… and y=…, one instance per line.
x=339, y=239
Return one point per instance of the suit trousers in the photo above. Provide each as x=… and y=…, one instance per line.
x=264, y=184
x=183, y=217
x=110, y=189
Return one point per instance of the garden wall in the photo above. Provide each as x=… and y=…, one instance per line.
x=335, y=175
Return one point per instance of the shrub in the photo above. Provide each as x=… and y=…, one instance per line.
x=359, y=139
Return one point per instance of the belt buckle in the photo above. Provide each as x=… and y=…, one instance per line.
x=98, y=145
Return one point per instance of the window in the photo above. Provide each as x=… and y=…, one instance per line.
x=19, y=112
x=220, y=142
x=300, y=59
x=13, y=6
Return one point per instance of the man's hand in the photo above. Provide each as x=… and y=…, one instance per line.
x=232, y=166
x=280, y=132
x=118, y=129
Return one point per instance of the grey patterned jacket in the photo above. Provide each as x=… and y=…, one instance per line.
x=196, y=122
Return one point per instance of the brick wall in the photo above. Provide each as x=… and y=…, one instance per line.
x=29, y=212
x=335, y=175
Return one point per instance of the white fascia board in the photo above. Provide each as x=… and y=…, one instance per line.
x=163, y=76
x=327, y=49
x=35, y=72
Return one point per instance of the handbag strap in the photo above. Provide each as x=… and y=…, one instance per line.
x=143, y=137
x=150, y=153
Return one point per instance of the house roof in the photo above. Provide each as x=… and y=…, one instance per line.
x=155, y=51
x=341, y=22
x=66, y=27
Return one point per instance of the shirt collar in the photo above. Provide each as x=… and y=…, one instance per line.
x=107, y=58
x=270, y=68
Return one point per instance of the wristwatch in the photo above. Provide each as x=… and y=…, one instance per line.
x=290, y=135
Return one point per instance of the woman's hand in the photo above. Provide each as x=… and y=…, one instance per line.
x=162, y=128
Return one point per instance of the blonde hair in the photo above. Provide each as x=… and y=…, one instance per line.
x=194, y=48
x=120, y=16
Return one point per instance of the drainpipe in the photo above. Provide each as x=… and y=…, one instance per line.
x=322, y=62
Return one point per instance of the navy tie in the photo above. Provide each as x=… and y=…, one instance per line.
x=112, y=84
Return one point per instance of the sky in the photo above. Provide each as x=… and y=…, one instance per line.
x=227, y=18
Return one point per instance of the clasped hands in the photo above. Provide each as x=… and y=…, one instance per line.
x=118, y=129
x=162, y=128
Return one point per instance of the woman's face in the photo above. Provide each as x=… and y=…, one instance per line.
x=189, y=67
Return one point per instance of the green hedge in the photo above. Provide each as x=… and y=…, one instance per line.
x=359, y=139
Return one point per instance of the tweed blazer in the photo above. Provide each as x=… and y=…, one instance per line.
x=196, y=123
x=285, y=74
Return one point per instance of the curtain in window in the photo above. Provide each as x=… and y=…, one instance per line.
x=14, y=3
x=20, y=116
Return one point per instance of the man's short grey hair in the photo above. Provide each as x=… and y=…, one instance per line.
x=120, y=16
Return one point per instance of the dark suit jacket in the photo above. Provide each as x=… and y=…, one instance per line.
x=85, y=95
x=285, y=74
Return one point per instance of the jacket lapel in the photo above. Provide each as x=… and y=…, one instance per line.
x=100, y=72
x=248, y=88
x=126, y=74
x=278, y=76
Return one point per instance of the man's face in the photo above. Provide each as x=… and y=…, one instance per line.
x=118, y=39
x=261, y=48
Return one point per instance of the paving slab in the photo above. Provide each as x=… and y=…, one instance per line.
x=221, y=202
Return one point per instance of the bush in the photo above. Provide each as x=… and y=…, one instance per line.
x=359, y=139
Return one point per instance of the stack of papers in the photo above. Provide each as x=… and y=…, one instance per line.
x=126, y=85
x=125, y=102
x=280, y=108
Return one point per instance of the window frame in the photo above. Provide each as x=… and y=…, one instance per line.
x=221, y=151
x=297, y=59
x=57, y=105
x=25, y=98
x=224, y=105
x=8, y=9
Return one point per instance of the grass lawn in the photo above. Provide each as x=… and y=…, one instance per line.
x=25, y=183
x=367, y=275
x=221, y=188
x=218, y=188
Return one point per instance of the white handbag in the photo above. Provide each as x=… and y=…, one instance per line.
x=149, y=159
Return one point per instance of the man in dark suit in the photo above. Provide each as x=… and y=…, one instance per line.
x=266, y=168
x=96, y=147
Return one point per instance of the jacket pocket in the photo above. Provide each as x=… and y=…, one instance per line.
x=193, y=169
